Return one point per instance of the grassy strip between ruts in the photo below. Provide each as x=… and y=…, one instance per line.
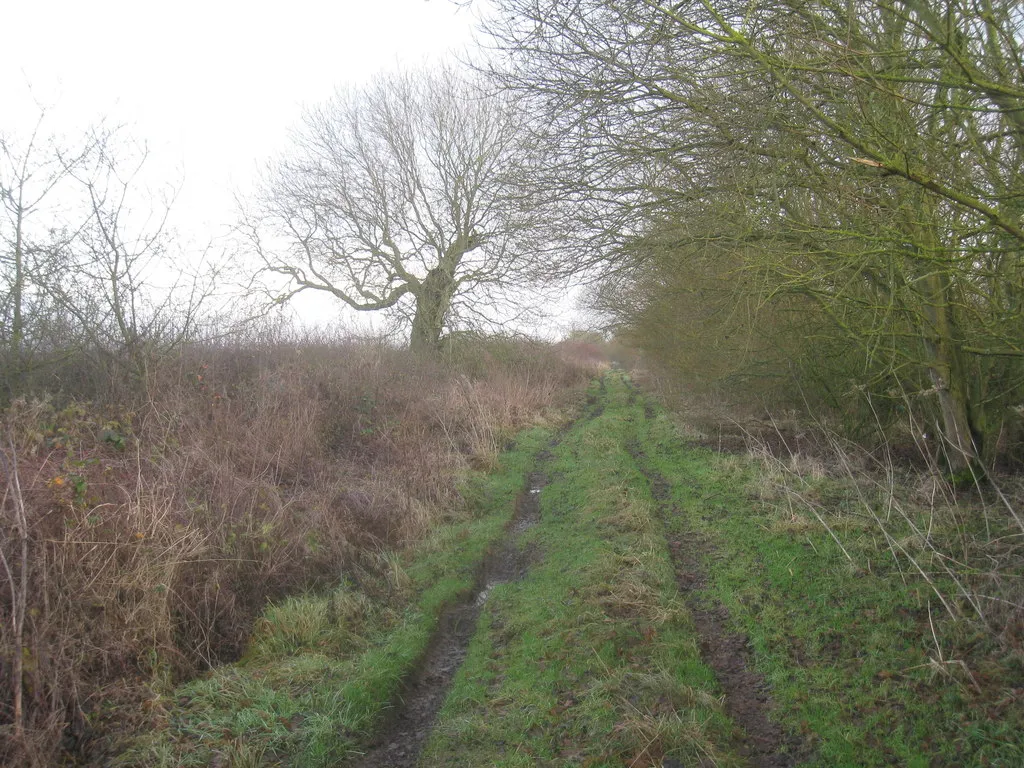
x=322, y=669
x=591, y=659
x=846, y=646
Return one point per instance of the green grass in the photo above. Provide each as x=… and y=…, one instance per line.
x=591, y=659
x=321, y=669
x=845, y=645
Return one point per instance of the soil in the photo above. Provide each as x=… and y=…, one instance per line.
x=406, y=730
x=747, y=697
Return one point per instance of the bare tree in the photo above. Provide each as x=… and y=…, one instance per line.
x=131, y=298
x=87, y=270
x=34, y=176
x=404, y=196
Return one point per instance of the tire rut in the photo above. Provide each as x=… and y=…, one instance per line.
x=762, y=742
x=406, y=729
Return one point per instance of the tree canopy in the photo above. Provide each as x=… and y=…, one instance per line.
x=404, y=196
x=854, y=168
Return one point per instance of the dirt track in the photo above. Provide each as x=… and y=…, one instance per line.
x=407, y=728
x=757, y=739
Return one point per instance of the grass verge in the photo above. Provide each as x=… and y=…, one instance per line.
x=322, y=669
x=851, y=639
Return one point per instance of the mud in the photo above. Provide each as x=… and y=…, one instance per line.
x=747, y=698
x=404, y=733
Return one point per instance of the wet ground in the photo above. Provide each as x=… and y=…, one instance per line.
x=747, y=699
x=759, y=739
x=406, y=730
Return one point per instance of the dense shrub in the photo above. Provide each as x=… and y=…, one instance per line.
x=142, y=535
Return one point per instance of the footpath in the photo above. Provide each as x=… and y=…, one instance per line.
x=619, y=597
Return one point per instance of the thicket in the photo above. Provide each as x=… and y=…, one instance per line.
x=142, y=532
x=820, y=201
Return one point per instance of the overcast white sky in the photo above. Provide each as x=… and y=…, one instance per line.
x=212, y=86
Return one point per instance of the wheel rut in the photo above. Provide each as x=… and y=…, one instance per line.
x=406, y=729
x=761, y=741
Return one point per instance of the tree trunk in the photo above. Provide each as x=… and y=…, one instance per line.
x=948, y=376
x=958, y=444
x=433, y=300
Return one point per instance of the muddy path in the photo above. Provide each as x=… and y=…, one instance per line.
x=759, y=740
x=406, y=730
x=747, y=696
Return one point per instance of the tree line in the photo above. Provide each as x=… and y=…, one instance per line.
x=822, y=197
x=814, y=201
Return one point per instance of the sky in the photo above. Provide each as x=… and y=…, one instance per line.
x=212, y=88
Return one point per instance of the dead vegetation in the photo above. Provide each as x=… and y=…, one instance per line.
x=142, y=537
x=965, y=545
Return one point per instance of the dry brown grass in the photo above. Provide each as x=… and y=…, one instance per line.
x=156, y=530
